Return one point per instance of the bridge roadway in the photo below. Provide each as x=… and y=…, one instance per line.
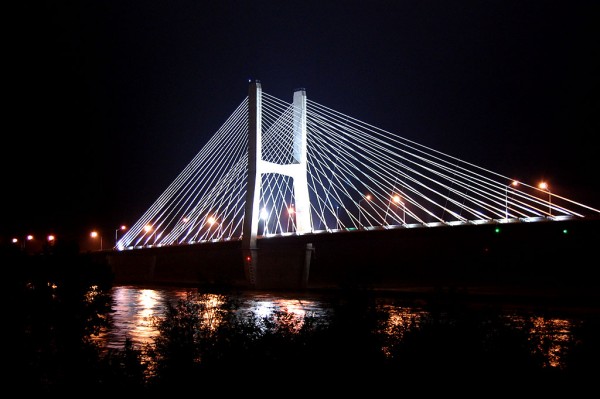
x=544, y=255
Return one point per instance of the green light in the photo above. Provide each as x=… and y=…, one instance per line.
x=497, y=230
x=565, y=231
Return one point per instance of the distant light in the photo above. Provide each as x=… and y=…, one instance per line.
x=50, y=238
x=94, y=234
x=29, y=237
x=264, y=214
x=497, y=230
x=15, y=240
x=565, y=231
x=147, y=228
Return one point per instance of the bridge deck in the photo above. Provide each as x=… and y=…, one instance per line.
x=543, y=256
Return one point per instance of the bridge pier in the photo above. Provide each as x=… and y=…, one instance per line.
x=251, y=212
x=280, y=266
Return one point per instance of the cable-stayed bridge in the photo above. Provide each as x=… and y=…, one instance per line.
x=279, y=169
x=358, y=176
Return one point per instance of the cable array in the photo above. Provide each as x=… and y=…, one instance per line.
x=359, y=177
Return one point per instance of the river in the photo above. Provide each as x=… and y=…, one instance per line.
x=80, y=331
x=551, y=335
x=151, y=337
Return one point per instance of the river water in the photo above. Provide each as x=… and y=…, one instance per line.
x=551, y=335
x=136, y=310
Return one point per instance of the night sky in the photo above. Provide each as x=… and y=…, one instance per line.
x=109, y=100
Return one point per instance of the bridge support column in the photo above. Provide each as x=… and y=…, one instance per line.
x=297, y=170
x=250, y=227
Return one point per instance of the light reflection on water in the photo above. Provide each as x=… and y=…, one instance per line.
x=132, y=316
x=135, y=311
x=401, y=320
x=551, y=337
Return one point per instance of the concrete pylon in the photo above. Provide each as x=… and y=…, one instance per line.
x=298, y=170
x=257, y=167
x=250, y=227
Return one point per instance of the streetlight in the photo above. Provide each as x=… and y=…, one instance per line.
x=264, y=215
x=148, y=229
x=544, y=186
x=123, y=227
x=513, y=183
x=211, y=221
x=398, y=200
x=28, y=237
x=367, y=198
x=291, y=212
x=95, y=234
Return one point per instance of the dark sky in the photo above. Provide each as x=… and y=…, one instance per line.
x=109, y=100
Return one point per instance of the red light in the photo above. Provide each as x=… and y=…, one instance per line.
x=248, y=259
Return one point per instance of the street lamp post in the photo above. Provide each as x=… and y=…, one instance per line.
x=514, y=183
x=123, y=227
x=211, y=221
x=366, y=198
x=28, y=237
x=95, y=234
x=148, y=229
x=398, y=201
x=291, y=212
x=337, y=217
x=544, y=186
x=264, y=215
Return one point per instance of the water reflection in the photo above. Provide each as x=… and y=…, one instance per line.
x=135, y=312
x=554, y=338
x=551, y=338
x=400, y=320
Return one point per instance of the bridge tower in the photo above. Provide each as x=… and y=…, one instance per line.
x=257, y=167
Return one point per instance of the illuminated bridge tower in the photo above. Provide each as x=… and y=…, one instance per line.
x=257, y=167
